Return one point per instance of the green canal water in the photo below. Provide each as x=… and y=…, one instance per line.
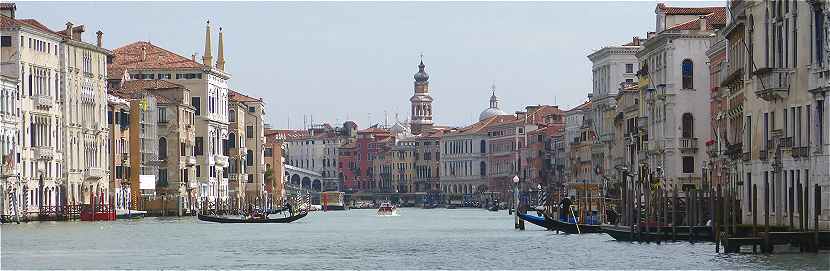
x=356, y=239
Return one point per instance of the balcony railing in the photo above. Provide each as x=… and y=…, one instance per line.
x=786, y=142
x=43, y=152
x=763, y=155
x=94, y=173
x=772, y=83
x=42, y=101
x=688, y=144
x=221, y=160
x=801, y=152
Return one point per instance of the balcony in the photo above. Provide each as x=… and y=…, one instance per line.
x=642, y=122
x=42, y=101
x=220, y=160
x=607, y=137
x=93, y=174
x=43, y=152
x=785, y=142
x=688, y=145
x=799, y=152
x=189, y=160
x=772, y=83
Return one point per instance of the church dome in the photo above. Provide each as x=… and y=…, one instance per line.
x=421, y=75
x=489, y=112
x=493, y=110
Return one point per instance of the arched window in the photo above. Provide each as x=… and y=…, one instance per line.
x=249, y=158
x=162, y=148
x=482, y=168
x=231, y=141
x=688, y=73
x=688, y=125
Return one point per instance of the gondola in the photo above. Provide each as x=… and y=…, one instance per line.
x=536, y=220
x=210, y=218
x=572, y=228
x=624, y=233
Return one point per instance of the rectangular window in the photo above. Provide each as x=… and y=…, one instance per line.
x=181, y=149
x=748, y=124
x=629, y=68
x=820, y=122
x=249, y=131
x=749, y=190
x=198, y=148
x=162, y=115
x=688, y=164
x=252, y=109
x=269, y=152
x=197, y=103
x=198, y=171
x=809, y=131
x=5, y=41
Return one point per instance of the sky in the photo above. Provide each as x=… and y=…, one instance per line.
x=333, y=61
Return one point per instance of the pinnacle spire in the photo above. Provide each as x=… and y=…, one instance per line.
x=207, y=58
x=220, y=62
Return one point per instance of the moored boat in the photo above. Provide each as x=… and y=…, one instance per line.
x=536, y=220
x=251, y=219
x=332, y=201
x=572, y=228
x=664, y=233
x=129, y=214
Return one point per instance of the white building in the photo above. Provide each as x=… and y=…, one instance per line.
x=31, y=54
x=208, y=84
x=612, y=66
x=676, y=109
x=83, y=100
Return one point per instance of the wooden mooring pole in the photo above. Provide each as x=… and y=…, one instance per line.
x=754, y=214
x=766, y=248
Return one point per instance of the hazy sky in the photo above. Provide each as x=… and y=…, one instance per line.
x=339, y=60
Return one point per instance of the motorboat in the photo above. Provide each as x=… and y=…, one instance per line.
x=387, y=209
x=129, y=214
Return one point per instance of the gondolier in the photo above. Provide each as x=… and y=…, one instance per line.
x=564, y=208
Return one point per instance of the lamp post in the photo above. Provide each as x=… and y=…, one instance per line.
x=518, y=222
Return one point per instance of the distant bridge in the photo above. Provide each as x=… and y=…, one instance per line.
x=303, y=180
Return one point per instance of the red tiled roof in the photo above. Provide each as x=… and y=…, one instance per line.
x=7, y=5
x=9, y=22
x=585, y=105
x=130, y=57
x=239, y=97
x=687, y=11
x=714, y=20
x=373, y=130
x=140, y=85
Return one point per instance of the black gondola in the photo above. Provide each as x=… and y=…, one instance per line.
x=624, y=233
x=571, y=228
x=289, y=219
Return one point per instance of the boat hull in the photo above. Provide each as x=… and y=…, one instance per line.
x=536, y=220
x=572, y=228
x=210, y=218
x=681, y=233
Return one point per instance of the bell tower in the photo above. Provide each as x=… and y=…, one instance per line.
x=421, y=119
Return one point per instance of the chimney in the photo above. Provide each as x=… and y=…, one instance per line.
x=636, y=41
x=100, y=37
x=69, y=29
x=77, y=32
x=193, y=57
x=702, y=21
x=650, y=35
x=143, y=53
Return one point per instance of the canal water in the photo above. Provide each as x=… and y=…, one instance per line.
x=356, y=239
